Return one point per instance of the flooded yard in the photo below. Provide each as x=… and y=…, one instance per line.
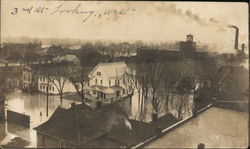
x=216, y=128
x=33, y=105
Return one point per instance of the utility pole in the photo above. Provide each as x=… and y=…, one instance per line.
x=47, y=100
x=47, y=95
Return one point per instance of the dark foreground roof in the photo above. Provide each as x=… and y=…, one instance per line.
x=80, y=123
x=122, y=136
x=106, y=127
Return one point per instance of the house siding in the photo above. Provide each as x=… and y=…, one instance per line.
x=51, y=142
x=42, y=83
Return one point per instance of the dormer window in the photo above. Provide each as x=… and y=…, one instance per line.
x=98, y=73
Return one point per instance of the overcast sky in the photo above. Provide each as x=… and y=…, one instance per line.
x=146, y=21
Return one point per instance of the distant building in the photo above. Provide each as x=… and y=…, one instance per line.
x=109, y=81
x=12, y=77
x=187, y=49
x=67, y=58
x=30, y=78
x=53, y=84
x=75, y=47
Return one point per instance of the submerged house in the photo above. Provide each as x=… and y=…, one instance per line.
x=108, y=82
x=54, y=76
x=30, y=77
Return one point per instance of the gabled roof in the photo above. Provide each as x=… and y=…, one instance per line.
x=68, y=57
x=80, y=123
x=111, y=70
x=233, y=72
x=140, y=131
x=105, y=89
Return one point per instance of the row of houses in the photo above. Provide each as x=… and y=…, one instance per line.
x=106, y=81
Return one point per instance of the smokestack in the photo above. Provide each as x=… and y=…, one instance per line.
x=236, y=36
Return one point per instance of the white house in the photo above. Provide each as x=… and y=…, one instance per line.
x=26, y=77
x=54, y=85
x=108, y=82
x=67, y=58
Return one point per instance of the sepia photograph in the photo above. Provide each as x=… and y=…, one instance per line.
x=124, y=74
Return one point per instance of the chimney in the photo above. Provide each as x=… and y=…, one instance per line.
x=236, y=36
x=189, y=38
x=242, y=47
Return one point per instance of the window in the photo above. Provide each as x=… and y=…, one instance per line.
x=117, y=93
x=118, y=82
x=123, y=91
x=43, y=140
x=62, y=144
x=95, y=81
x=43, y=88
x=94, y=91
x=88, y=83
x=98, y=73
x=109, y=82
x=124, y=80
x=208, y=83
x=52, y=88
x=101, y=82
x=41, y=79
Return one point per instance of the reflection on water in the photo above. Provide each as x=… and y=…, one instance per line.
x=33, y=105
x=171, y=107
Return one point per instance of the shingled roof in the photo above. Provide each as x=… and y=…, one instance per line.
x=80, y=123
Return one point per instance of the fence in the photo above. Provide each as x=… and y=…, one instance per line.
x=18, y=118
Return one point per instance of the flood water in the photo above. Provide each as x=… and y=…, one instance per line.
x=33, y=105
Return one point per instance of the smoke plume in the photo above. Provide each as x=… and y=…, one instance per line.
x=173, y=10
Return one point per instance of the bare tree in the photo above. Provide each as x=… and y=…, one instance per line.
x=188, y=74
x=134, y=81
x=169, y=80
x=60, y=76
x=34, y=72
x=155, y=73
x=79, y=78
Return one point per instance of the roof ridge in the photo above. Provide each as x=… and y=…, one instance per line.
x=111, y=63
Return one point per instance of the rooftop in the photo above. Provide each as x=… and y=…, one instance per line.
x=215, y=127
x=111, y=70
x=81, y=123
